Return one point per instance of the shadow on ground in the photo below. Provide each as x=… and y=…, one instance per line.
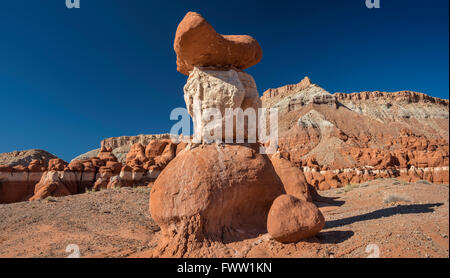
x=386, y=212
x=329, y=201
x=334, y=237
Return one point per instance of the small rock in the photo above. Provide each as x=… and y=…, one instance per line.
x=291, y=220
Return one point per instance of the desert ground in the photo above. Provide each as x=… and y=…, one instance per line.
x=384, y=217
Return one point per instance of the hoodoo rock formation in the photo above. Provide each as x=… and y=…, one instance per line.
x=215, y=192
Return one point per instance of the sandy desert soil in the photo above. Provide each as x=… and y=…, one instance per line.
x=389, y=217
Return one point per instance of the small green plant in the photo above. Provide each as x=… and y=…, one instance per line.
x=350, y=187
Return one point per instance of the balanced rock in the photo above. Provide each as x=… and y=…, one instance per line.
x=213, y=193
x=291, y=220
x=198, y=44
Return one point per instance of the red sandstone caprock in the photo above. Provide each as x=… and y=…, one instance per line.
x=198, y=44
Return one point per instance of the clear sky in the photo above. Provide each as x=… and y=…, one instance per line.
x=69, y=78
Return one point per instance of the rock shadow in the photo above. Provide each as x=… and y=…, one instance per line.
x=327, y=201
x=386, y=212
x=334, y=237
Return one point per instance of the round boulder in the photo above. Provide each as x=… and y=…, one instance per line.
x=291, y=220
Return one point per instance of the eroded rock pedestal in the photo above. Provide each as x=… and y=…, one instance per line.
x=212, y=193
x=219, y=190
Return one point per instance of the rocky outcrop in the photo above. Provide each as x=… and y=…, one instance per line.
x=397, y=106
x=214, y=192
x=198, y=44
x=56, y=178
x=17, y=183
x=397, y=97
x=278, y=93
x=361, y=136
x=24, y=158
x=292, y=177
x=291, y=97
x=117, y=142
x=120, y=146
x=87, y=155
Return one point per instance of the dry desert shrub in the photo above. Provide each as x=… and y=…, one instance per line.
x=424, y=182
x=350, y=187
x=395, y=198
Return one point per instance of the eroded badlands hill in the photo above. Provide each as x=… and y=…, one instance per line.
x=351, y=138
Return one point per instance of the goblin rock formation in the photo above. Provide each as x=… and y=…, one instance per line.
x=40, y=179
x=121, y=145
x=339, y=138
x=214, y=193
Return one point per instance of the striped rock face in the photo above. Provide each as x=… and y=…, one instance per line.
x=339, y=139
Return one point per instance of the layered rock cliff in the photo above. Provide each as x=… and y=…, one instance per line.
x=350, y=138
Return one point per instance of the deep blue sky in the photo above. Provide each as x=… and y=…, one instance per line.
x=69, y=78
